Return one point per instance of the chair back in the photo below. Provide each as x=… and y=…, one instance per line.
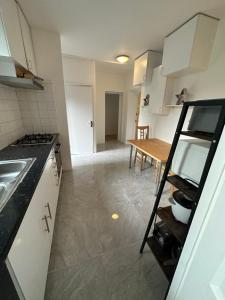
x=142, y=132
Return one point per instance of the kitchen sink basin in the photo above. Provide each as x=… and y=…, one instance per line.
x=12, y=173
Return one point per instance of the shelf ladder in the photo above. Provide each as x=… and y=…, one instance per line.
x=188, y=189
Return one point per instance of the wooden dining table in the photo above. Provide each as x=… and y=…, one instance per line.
x=157, y=149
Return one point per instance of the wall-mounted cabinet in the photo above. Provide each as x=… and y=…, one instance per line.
x=188, y=49
x=144, y=65
x=15, y=35
x=11, y=42
x=27, y=41
x=161, y=92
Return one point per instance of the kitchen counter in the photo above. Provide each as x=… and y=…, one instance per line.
x=13, y=212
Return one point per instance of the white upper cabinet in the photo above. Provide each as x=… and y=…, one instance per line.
x=10, y=31
x=140, y=68
x=188, y=49
x=4, y=48
x=28, y=43
x=161, y=89
x=144, y=65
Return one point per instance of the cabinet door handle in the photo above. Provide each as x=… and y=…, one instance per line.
x=49, y=210
x=46, y=222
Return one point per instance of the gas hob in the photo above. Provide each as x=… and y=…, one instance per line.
x=34, y=139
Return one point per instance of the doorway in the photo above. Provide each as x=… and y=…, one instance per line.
x=79, y=104
x=112, y=106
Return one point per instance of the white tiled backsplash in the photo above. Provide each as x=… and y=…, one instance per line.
x=11, y=125
x=25, y=112
x=38, y=110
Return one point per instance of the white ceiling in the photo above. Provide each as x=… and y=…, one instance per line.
x=102, y=29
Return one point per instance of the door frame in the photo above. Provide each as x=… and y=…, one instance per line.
x=120, y=114
x=93, y=108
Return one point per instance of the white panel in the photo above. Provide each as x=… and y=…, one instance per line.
x=157, y=91
x=78, y=71
x=160, y=92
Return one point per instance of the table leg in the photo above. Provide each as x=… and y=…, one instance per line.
x=131, y=151
x=151, y=163
x=159, y=171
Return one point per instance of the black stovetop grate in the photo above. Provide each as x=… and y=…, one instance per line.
x=34, y=139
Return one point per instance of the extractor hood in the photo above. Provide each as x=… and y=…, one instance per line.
x=23, y=83
x=14, y=75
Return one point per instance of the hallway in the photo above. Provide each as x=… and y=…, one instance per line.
x=93, y=255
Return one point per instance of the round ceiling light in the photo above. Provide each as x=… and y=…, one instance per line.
x=122, y=58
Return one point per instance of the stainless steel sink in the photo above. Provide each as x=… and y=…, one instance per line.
x=12, y=173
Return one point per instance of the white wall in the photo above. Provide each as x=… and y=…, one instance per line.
x=104, y=78
x=111, y=114
x=202, y=85
x=48, y=56
x=108, y=82
x=11, y=125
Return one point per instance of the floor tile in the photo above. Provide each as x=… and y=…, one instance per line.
x=93, y=255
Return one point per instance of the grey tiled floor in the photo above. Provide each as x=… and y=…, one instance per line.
x=94, y=256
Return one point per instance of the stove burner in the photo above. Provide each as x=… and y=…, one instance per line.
x=35, y=139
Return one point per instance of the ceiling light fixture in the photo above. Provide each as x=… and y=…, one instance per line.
x=122, y=58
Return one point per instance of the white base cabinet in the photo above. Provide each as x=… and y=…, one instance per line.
x=28, y=258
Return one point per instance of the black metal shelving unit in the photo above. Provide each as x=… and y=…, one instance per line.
x=176, y=228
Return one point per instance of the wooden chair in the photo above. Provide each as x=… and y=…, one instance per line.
x=142, y=133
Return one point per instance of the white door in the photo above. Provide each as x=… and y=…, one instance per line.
x=80, y=118
x=201, y=270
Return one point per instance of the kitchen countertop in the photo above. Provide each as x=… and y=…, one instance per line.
x=13, y=212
